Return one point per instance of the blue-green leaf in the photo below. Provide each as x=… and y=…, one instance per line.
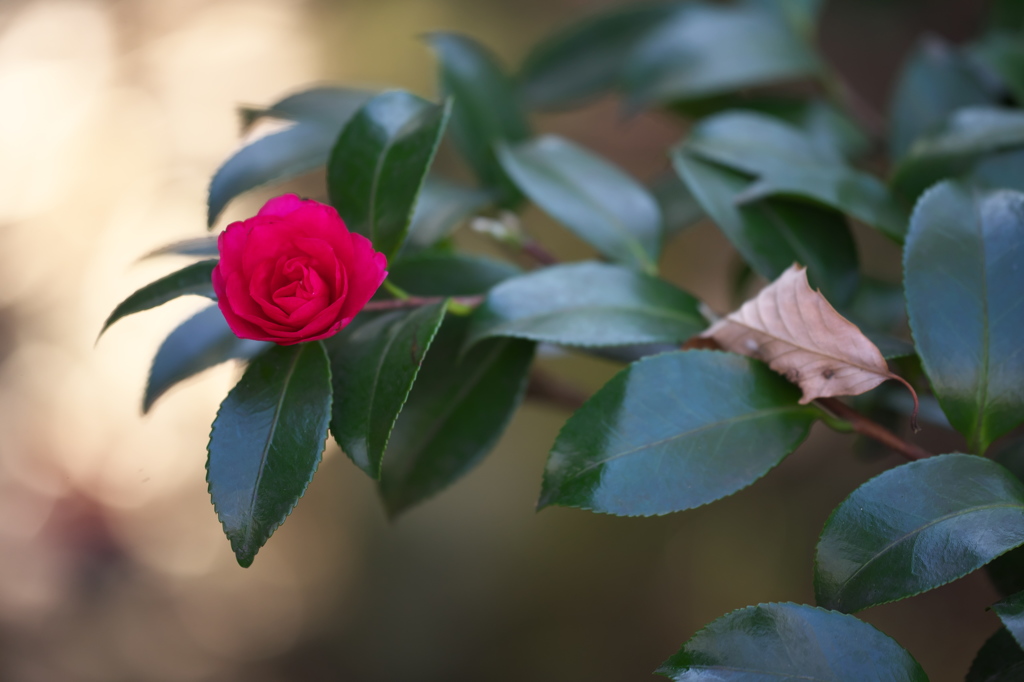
x=777, y=642
x=965, y=295
x=915, y=528
x=600, y=203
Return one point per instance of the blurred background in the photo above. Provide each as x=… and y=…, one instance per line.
x=112, y=563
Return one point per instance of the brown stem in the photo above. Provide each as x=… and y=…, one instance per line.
x=551, y=389
x=538, y=253
x=873, y=430
x=417, y=301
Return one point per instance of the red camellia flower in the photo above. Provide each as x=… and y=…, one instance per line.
x=294, y=272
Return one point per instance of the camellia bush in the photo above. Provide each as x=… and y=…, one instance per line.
x=359, y=319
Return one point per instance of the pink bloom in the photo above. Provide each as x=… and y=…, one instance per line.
x=294, y=272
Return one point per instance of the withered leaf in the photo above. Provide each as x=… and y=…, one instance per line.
x=801, y=336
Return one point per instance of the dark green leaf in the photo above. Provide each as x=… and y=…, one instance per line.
x=584, y=60
x=440, y=208
x=709, y=49
x=328, y=105
x=588, y=304
x=266, y=443
x=915, y=528
x=379, y=162
x=679, y=208
x=773, y=234
x=600, y=203
x=1011, y=612
x=200, y=342
x=280, y=156
x=1007, y=15
x=775, y=642
x=432, y=274
x=455, y=414
x=965, y=289
x=675, y=431
x=1003, y=53
x=1000, y=659
x=486, y=109
x=200, y=246
x=968, y=137
x=936, y=81
x=788, y=162
x=373, y=367
x=191, y=279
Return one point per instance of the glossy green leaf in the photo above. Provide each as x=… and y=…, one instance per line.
x=192, y=279
x=679, y=208
x=776, y=642
x=373, y=367
x=935, y=81
x=486, y=109
x=788, y=162
x=584, y=60
x=205, y=247
x=675, y=431
x=1011, y=612
x=915, y=528
x=596, y=200
x=773, y=234
x=708, y=49
x=434, y=274
x=329, y=105
x=266, y=443
x=455, y=414
x=588, y=304
x=379, y=163
x=1000, y=659
x=282, y=155
x=440, y=208
x=967, y=138
x=965, y=289
x=200, y=342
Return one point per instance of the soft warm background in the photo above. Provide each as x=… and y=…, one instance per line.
x=113, y=115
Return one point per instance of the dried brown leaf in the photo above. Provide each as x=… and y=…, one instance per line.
x=801, y=336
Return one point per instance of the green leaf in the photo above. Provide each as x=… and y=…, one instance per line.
x=588, y=304
x=266, y=443
x=191, y=279
x=200, y=342
x=440, y=208
x=434, y=274
x=675, y=431
x=1011, y=612
x=1002, y=52
x=584, y=60
x=328, y=105
x=373, y=367
x=600, y=203
x=280, y=156
x=486, y=109
x=915, y=528
x=379, y=163
x=776, y=642
x=936, y=81
x=1000, y=659
x=1007, y=15
x=199, y=246
x=965, y=290
x=969, y=136
x=773, y=234
x=679, y=208
x=710, y=49
x=455, y=414
x=788, y=162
